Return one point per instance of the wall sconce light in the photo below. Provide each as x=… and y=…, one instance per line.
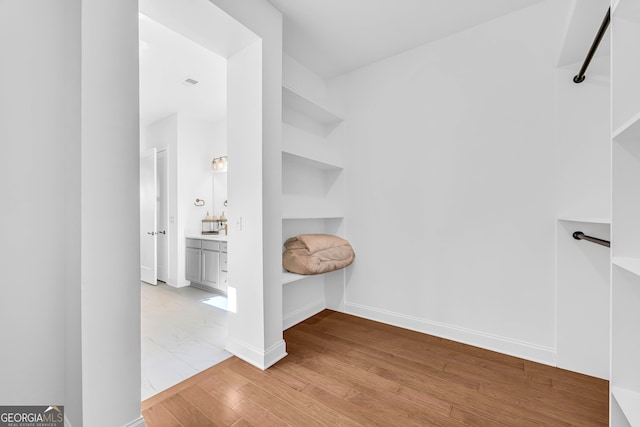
x=220, y=163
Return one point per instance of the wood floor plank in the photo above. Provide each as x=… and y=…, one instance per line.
x=400, y=402
x=421, y=343
x=312, y=377
x=215, y=410
x=242, y=423
x=473, y=369
x=217, y=387
x=389, y=368
x=293, y=397
x=435, y=341
x=158, y=416
x=347, y=371
x=185, y=412
x=279, y=407
x=257, y=415
x=352, y=348
x=360, y=376
x=355, y=412
x=471, y=419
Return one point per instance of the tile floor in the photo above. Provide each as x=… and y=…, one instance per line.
x=183, y=333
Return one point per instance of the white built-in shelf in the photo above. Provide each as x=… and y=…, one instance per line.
x=288, y=277
x=299, y=143
x=589, y=220
x=310, y=108
x=629, y=264
x=316, y=163
x=629, y=130
x=629, y=402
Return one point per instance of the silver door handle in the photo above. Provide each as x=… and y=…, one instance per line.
x=153, y=233
x=162, y=232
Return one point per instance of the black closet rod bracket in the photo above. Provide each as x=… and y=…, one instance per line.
x=579, y=235
x=579, y=78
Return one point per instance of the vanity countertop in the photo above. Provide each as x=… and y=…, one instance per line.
x=213, y=237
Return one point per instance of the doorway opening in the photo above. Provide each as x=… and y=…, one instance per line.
x=195, y=64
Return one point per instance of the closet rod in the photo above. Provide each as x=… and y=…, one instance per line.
x=579, y=235
x=579, y=78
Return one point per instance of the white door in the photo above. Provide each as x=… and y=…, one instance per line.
x=148, y=217
x=163, y=216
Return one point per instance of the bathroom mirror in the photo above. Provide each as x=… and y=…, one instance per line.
x=219, y=196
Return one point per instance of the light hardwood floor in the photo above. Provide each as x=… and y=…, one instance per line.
x=346, y=371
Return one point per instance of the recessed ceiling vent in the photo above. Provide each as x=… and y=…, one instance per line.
x=189, y=82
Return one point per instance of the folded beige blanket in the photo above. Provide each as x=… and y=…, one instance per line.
x=316, y=254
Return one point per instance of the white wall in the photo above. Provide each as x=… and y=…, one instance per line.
x=39, y=183
x=451, y=160
x=67, y=217
x=110, y=218
x=259, y=336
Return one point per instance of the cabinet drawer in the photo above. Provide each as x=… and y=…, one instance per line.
x=223, y=261
x=210, y=246
x=193, y=243
x=223, y=246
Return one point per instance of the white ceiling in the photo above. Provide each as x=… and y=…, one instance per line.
x=166, y=60
x=332, y=37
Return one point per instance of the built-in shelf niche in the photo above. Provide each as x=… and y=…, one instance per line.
x=311, y=115
x=311, y=189
x=297, y=226
x=307, y=145
x=305, y=295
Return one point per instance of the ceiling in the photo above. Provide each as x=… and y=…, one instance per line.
x=332, y=37
x=167, y=59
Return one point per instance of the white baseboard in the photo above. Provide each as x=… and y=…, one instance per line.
x=136, y=423
x=139, y=422
x=524, y=350
x=302, y=313
x=256, y=357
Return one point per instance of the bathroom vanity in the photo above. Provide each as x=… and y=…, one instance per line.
x=206, y=262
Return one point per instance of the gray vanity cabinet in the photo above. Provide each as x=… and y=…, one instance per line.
x=205, y=265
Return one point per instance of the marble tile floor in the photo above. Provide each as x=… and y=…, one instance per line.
x=183, y=333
